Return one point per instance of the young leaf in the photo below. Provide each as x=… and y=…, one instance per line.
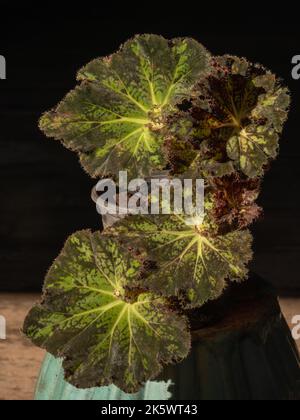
x=191, y=260
x=105, y=332
x=234, y=201
x=113, y=119
x=238, y=112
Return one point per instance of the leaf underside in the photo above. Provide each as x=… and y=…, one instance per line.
x=104, y=333
x=113, y=118
x=192, y=263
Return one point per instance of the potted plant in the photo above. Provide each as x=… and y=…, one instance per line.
x=152, y=291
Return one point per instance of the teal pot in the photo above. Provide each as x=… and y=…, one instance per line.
x=242, y=350
x=52, y=386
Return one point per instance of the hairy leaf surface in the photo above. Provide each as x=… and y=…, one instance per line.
x=192, y=261
x=113, y=119
x=105, y=332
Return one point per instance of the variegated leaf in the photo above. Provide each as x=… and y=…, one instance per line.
x=114, y=118
x=191, y=260
x=238, y=112
x=105, y=331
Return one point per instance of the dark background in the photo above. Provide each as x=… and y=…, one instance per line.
x=44, y=193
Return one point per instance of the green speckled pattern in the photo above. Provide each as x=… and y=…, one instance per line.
x=259, y=363
x=104, y=334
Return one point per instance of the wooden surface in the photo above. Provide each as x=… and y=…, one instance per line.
x=20, y=361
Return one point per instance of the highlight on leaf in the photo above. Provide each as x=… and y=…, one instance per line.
x=113, y=119
x=105, y=329
x=238, y=112
x=193, y=262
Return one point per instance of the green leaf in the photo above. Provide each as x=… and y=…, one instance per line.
x=192, y=261
x=114, y=118
x=106, y=331
x=238, y=112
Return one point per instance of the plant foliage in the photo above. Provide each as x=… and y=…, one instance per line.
x=103, y=329
x=113, y=118
x=115, y=303
x=234, y=199
x=192, y=261
x=232, y=122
